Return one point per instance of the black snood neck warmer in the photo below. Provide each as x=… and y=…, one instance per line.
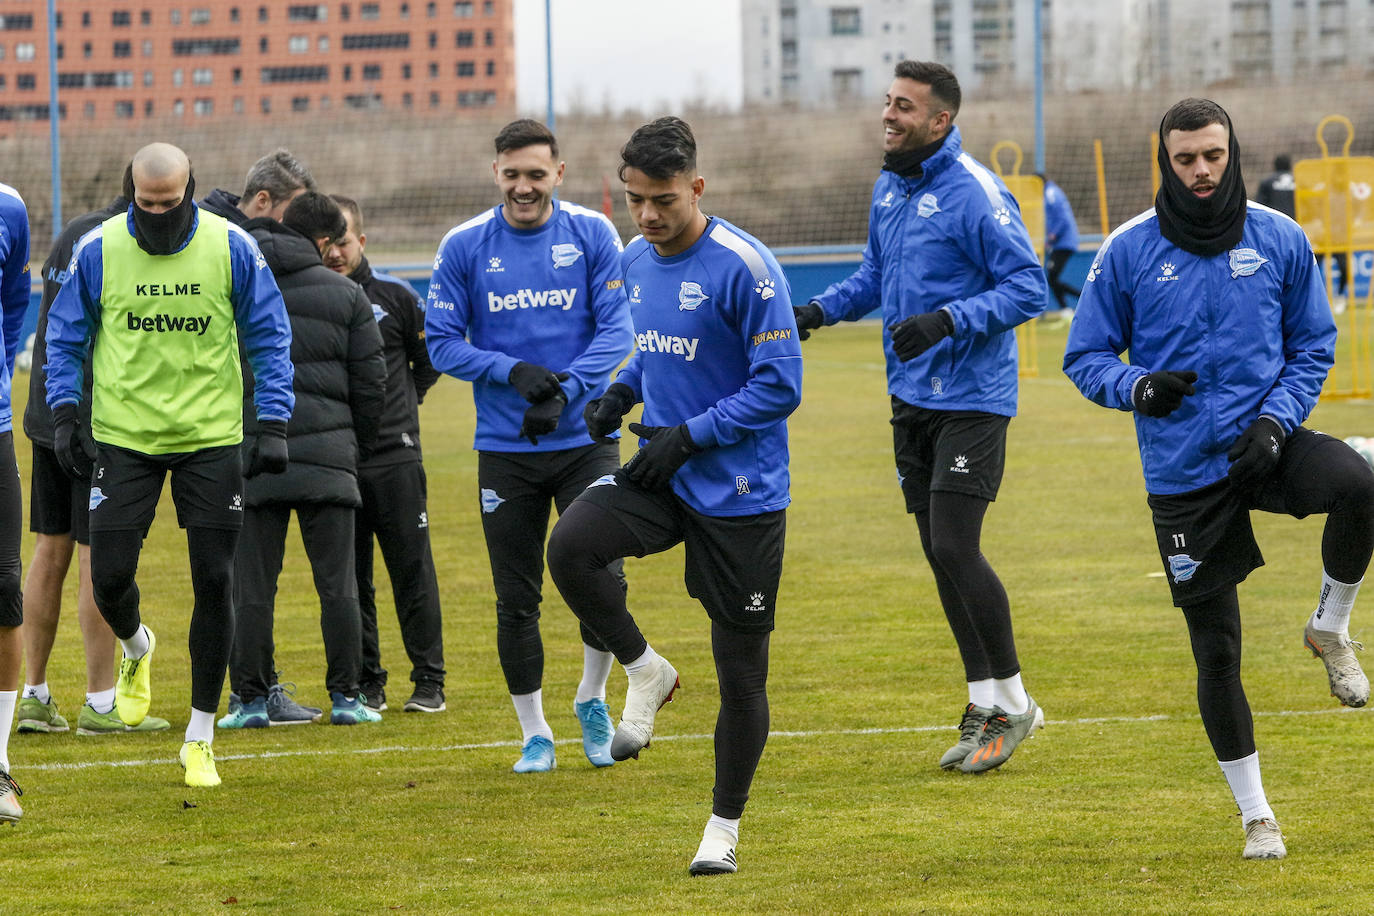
x=162, y=233
x=1205, y=226
x=911, y=164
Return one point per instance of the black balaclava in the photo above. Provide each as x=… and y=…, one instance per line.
x=911, y=164
x=1204, y=226
x=161, y=233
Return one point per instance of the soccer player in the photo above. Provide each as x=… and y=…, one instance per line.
x=339, y=385
x=168, y=293
x=526, y=302
x=1061, y=242
x=718, y=368
x=14, y=302
x=392, y=482
x=59, y=515
x=952, y=267
x=1230, y=337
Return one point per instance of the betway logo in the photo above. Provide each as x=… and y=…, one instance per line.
x=654, y=342
x=165, y=323
x=533, y=299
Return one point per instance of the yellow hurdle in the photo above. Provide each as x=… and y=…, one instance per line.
x=1335, y=207
x=1029, y=192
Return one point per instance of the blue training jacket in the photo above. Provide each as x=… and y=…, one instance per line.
x=1061, y=229
x=1253, y=323
x=14, y=288
x=951, y=239
x=551, y=296
x=716, y=348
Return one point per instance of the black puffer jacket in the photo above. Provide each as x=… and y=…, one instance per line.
x=340, y=380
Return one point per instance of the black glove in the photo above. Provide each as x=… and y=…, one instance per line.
x=915, y=335
x=1160, y=393
x=268, y=454
x=808, y=317
x=542, y=418
x=535, y=383
x=74, y=448
x=603, y=414
x=668, y=449
x=1255, y=454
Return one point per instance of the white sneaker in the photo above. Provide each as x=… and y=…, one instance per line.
x=644, y=697
x=10, y=812
x=715, y=855
x=1264, y=840
x=1337, y=652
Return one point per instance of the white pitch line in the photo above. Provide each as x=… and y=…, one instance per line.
x=488, y=745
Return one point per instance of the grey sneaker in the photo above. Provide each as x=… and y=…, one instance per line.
x=10, y=811
x=427, y=697
x=644, y=697
x=36, y=716
x=1001, y=736
x=1264, y=840
x=373, y=696
x=1337, y=652
x=970, y=730
x=283, y=710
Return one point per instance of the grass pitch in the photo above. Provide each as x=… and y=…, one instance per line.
x=1116, y=807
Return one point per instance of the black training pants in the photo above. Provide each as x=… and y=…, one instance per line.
x=327, y=532
x=394, y=511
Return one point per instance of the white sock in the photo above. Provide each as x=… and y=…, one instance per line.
x=38, y=690
x=1334, y=605
x=1010, y=695
x=596, y=667
x=8, y=700
x=1243, y=776
x=529, y=709
x=642, y=662
x=980, y=693
x=102, y=701
x=729, y=825
x=201, y=727
x=136, y=646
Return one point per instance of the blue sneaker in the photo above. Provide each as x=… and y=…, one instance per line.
x=350, y=711
x=536, y=756
x=252, y=714
x=597, y=731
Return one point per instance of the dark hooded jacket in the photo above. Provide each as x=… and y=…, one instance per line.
x=222, y=203
x=401, y=320
x=340, y=380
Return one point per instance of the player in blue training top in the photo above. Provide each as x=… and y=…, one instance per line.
x=526, y=302
x=950, y=263
x=14, y=302
x=718, y=368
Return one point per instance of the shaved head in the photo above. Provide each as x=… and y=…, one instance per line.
x=160, y=172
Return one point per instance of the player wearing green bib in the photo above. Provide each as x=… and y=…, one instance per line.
x=165, y=292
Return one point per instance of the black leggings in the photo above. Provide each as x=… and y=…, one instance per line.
x=114, y=561
x=586, y=541
x=973, y=598
x=1326, y=476
x=1214, y=628
x=1058, y=260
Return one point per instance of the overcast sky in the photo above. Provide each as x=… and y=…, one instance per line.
x=650, y=54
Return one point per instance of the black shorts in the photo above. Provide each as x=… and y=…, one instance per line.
x=207, y=488
x=953, y=451
x=1205, y=537
x=733, y=563
x=58, y=502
